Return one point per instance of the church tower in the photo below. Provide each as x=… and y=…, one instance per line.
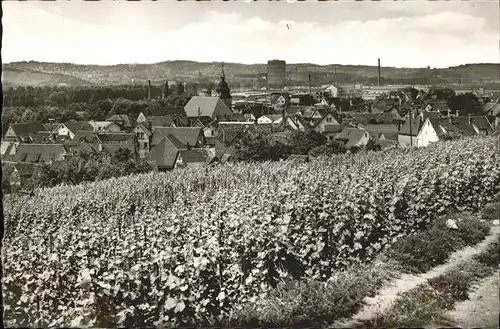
x=224, y=91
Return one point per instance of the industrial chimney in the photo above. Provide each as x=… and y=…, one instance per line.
x=310, y=92
x=378, y=79
x=149, y=89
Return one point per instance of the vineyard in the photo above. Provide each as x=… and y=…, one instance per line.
x=189, y=247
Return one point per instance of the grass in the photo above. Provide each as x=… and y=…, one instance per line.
x=420, y=252
x=492, y=210
x=428, y=303
x=309, y=302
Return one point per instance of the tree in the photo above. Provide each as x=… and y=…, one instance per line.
x=329, y=149
x=260, y=148
x=180, y=89
x=440, y=93
x=465, y=104
x=304, y=142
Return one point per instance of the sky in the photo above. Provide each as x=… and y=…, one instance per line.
x=411, y=33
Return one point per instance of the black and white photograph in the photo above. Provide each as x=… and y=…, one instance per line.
x=250, y=164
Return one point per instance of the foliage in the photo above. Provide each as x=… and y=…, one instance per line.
x=308, y=302
x=373, y=145
x=416, y=308
x=490, y=256
x=260, y=147
x=329, y=149
x=305, y=141
x=440, y=93
x=88, y=167
x=192, y=246
x=465, y=104
x=424, y=250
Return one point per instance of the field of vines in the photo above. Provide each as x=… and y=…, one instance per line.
x=190, y=246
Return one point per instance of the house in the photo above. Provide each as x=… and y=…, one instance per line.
x=70, y=128
x=481, y=124
x=23, y=132
x=84, y=140
x=388, y=131
x=49, y=137
x=270, y=118
x=110, y=143
x=143, y=136
x=329, y=119
x=141, y=118
x=40, y=153
x=354, y=137
x=161, y=121
x=189, y=136
x=8, y=150
x=106, y=126
x=193, y=158
x=335, y=91
x=387, y=143
x=426, y=134
x=407, y=135
x=164, y=155
x=123, y=121
x=212, y=107
x=51, y=126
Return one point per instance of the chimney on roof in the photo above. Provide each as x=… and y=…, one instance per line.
x=378, y=78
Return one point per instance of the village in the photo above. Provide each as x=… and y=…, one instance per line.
x=211, y=127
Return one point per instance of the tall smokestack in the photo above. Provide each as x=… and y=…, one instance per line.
x=378, y=79
x=149, y=89
x=310, y=92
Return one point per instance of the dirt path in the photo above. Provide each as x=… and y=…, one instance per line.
x=405, y=282
x=482, y=309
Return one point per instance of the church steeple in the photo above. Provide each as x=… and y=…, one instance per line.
x=223, y=89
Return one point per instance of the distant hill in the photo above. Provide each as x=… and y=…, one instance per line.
x=41, y=73
x=25, y=77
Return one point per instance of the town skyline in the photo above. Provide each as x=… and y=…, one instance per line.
x=426, y=34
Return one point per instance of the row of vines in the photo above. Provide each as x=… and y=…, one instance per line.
x=190, y=246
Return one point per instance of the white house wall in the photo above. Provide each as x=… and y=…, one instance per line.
x=426, y=135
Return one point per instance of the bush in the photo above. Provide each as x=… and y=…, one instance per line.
x=491, y=211
x=309, y=302
x=416, y=308
x=424, y=250
x=490, y=256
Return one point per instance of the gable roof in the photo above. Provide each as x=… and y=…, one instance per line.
x=50, y=126
x=463, y=126
x=27, y=130
x=122, y=120
x=492, y=109
x=272, y=117
x=414, y=128
x=100, y=124
x=165, y=153
x=160, y=120
x=44, y=137
x=186, y=135
x=481, y=122
x=194, y=155
x=443, y=127
x=352, y=136
x=145, y=129
x=74, y=126
x=212, y=107
x=36, y=153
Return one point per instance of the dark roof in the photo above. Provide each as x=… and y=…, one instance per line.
x=165, y=153
x=351, y=136
x=416, y=124
x=34, y=153
x=207, y=107
x=187, y=135
x=333, y=128
x=194, y=156
x=115, y=137
x=74, y=126
x=376, y=129
x=87, y=136
x=160, y=121
x=27, y=130
x=481, y=122
x=444, y=128
x=463, y=126
x=492, y=109
x=122, y=120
